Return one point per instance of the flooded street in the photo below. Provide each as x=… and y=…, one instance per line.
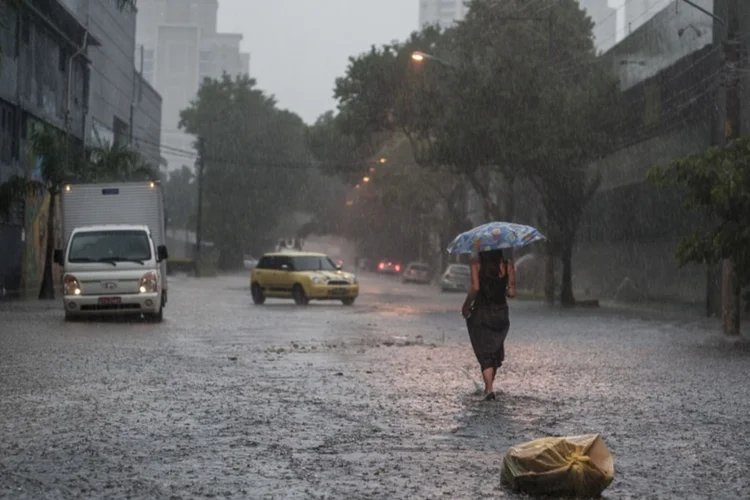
x=229, y=400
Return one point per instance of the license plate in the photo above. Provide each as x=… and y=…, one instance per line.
x=109, y=301
x=339, y=291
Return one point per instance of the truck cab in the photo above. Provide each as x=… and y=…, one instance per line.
x=113, y=269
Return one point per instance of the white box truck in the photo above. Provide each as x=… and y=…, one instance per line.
x=115, y=256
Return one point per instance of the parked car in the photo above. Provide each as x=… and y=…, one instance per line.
x=457, y=278
x=387, y=266
x=302, y=276
x=416, y=272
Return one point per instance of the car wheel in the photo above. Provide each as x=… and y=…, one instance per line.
x=258, y=296
x=348, y=301
x=298, y=294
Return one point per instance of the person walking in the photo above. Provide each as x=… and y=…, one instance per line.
x=493, y=280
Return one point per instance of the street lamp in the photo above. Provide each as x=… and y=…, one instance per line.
x=365, y=179
x=419, y=57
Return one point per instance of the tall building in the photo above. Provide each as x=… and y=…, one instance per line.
x=637, y=12
x=180, y=46
x=441, y=12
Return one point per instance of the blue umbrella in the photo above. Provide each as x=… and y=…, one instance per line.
x=492, y=236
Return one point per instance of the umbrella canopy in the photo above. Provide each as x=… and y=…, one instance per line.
x=492, y=236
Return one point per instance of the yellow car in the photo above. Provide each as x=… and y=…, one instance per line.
x=302, y=276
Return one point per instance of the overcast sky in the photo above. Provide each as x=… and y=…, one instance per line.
x=299, y=47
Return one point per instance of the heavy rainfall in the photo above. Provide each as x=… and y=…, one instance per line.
x=504, y=222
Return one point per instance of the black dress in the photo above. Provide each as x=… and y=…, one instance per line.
x=489, y=321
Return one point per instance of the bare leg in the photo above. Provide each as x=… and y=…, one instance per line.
x=489, y=376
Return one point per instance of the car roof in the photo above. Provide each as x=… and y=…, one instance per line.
x=292, y=253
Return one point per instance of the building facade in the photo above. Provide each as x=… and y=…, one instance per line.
x=180, y=47
x=67, y=64
x=444, y=13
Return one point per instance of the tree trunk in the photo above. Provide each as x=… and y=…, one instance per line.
x=731, y=293
x=47, y=290
x=549, y=274
x=566, y=289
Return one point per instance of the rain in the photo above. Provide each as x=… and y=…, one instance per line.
x=335, y=249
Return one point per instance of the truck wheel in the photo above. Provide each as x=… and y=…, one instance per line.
x=348, y=302
x=257, y=293
x=298, y=294
x=156, y=317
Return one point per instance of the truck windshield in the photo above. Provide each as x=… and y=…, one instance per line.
x=110, y=246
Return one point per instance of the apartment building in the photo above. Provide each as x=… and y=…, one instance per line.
x=178, y=46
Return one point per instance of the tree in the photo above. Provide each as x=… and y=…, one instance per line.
x=716, y=183
x=256, y=163
x=181, y=198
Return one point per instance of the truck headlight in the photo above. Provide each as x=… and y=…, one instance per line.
x=317, y=280
x=149, y=283
x=71, y=285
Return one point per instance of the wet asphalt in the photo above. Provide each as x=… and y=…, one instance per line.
x=229, y=400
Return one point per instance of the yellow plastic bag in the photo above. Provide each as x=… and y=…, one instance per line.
x=580, y=466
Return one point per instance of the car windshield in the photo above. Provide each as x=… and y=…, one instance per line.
x=110, y=246
x=418, y=267
x=313, y=263
x=459, y=270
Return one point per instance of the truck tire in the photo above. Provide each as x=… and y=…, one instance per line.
x=156, y=317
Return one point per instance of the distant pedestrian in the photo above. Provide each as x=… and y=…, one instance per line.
x=493, y=278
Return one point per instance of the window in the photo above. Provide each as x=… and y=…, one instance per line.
x=312, y=263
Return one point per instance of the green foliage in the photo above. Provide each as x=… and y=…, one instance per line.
x=493, y=96
x=181, y=198
x=256, y=164
x=716, y=183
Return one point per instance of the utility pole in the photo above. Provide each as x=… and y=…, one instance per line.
x=198, y=222
x=733, y=57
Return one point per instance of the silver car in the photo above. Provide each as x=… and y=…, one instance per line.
x=457, y=277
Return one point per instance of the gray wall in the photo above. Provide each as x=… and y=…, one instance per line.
x=112, y=76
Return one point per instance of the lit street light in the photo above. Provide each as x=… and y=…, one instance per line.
x=419, y=57
x=365, y=179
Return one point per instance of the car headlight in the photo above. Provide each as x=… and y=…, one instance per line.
x=149, y=283
x=317, y=280
x=71, y=285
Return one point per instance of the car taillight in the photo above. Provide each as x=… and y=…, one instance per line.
x=148, y=283
x=398, y=268
x=381, y=266
x=71, y=285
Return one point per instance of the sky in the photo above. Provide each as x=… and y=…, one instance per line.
x=299, y=47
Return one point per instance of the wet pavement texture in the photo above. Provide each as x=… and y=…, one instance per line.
x=225, y=399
